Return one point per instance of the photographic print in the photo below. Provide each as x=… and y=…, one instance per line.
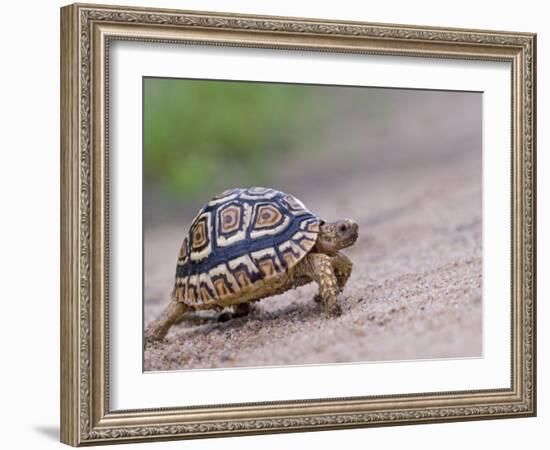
x=296, y=224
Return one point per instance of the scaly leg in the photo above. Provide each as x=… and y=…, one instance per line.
x=158, y=329
x=342, y=266
x=239, y=310
x=319, y=268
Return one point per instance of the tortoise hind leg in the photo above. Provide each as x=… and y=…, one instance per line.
x=239, y=310
x=157, y=330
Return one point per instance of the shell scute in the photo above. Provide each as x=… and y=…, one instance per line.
x=239, y=240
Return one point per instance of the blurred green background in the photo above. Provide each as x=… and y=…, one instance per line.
x=201, y=137
x=203, y=134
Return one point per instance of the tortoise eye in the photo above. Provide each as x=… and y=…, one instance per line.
x=343, y=227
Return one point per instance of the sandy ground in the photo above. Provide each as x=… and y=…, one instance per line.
x=415, y=291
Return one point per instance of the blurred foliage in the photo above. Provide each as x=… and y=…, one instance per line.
x=210, y=135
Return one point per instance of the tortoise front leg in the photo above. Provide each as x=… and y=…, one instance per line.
x=157, y=330
x=342, y=266
x=319, y=268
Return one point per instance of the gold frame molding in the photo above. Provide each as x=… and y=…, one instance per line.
x=86, y=31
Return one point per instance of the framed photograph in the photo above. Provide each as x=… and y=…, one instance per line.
x=276, y=224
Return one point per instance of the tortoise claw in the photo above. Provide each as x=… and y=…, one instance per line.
x=154, y=334
x=334, y=311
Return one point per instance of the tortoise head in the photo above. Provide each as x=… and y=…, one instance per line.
x=337, y=235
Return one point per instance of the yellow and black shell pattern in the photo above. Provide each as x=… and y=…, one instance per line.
x=239, y=240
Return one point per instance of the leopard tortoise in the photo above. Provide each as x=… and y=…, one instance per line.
x=247, y=244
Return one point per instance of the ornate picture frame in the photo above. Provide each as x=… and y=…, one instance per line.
x=86, y=34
